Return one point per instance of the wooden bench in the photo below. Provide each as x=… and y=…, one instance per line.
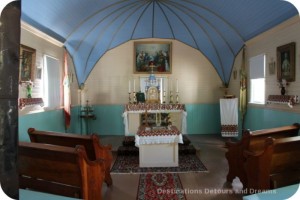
x=91, y=143
x=60, y=170
x=252, y=141
x=276, y=166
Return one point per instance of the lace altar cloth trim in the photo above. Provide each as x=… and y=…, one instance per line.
x=154, y=106
x=158, y=136
x=145, y=131
x=30, y=101
x=282, y=99
x=229, y=130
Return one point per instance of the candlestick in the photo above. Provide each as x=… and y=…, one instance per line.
x=177, y=97
x=129, y=87
x=129, y=97
x=134, y=98
x=171, y=97
x=164, y=96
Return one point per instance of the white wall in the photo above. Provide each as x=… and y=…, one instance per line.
x=198, y=80
x=267, y=43
x=42, y=47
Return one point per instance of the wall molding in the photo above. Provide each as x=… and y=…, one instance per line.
x=40, y=34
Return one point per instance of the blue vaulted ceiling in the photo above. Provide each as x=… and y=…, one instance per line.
x=217, y=28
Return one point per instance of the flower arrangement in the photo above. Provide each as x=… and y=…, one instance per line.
x=283, y=83
x=27, y=86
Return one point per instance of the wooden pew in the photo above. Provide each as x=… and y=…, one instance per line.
x=91, y=143
x=252, y=141
x=60, y=170
x=276, y=166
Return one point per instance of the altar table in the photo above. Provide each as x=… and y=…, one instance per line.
x=132, y=115
x=158, y=146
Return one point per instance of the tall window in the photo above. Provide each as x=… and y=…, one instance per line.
x=257, y=67
x=51, y=82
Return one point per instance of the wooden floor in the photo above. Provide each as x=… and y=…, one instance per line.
x=202, y=185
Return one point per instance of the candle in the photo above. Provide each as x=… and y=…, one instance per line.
x=129, y=89
x=133, y=85
x=139, y=84
x=176, y=85
x=170, y=84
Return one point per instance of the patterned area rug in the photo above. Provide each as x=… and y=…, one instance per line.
x=159, y=186
x=130, y=164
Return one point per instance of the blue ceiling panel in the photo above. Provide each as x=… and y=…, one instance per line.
x=216, y=28
x=143, y=27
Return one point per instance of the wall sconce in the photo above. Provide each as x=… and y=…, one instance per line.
x=272, y=67
x=234, y=74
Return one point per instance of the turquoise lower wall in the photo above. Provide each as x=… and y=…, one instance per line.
x=201, y=119
x=50, y=120
x=260, y=118
x=109, y=121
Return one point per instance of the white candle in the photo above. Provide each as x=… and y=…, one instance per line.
x=176, y=85
x=133, y=85
x=170, y=84
x=129, y=87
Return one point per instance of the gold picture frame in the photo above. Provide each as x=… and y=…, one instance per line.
x=157, y=53
x=27, y=63
x=286, y=62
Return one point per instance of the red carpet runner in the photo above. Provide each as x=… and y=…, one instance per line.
x=160, y=186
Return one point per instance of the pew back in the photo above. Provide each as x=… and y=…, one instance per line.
x=276, y=166
x=59, y=170
x=252, y=141
x=257, y=138
x=91, y=144
x=64, y=139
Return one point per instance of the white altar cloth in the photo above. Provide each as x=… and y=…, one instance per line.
x=158, y=147
x=229, y=117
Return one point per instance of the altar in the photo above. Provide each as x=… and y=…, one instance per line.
x=132, y=116
x=158, y=146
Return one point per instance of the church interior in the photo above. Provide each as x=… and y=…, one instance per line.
x=149, y=99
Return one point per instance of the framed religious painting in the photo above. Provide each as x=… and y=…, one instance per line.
x=27, y=63
x=153, y=57
x=286, y=62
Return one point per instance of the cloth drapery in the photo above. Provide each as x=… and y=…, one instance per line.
x=67, y=94
x=229, y=117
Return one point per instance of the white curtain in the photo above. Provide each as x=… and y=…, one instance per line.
x=52, y=82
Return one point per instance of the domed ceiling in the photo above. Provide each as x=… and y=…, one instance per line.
x=217, y=28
